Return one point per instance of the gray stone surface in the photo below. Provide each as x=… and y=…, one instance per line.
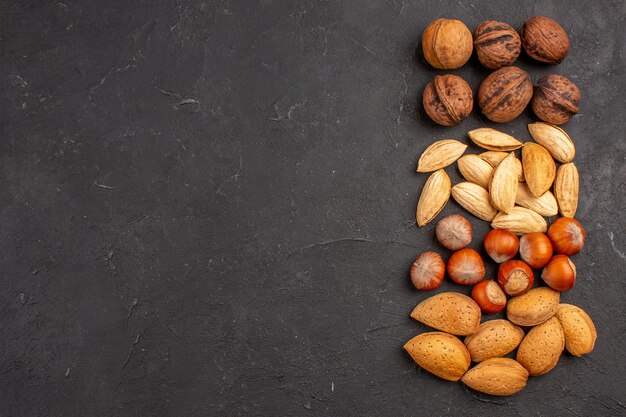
x=207, y=208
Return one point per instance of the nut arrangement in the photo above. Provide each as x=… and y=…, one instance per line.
x=504, y=94
x=514, y=185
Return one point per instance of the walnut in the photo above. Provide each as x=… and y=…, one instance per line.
x=448, y=99
x=545, y=40
x=447, y=44
x=497, y=44
x=556, y=99
x=504, y=94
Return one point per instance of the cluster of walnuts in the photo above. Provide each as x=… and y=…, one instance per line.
x=505, y=93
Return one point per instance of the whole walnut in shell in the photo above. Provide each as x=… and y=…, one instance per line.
x=497, y=44
x=448, y=99
x=504, y=94
x=447, y=44
x=545, y=40
x=556, y=99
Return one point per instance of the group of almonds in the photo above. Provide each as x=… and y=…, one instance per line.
x=515, y=196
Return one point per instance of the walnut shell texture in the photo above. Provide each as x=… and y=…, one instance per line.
x=504, y=94
x=556, y=99
x=448, y=99
x=545, y=40
x=447, y=44
x=497, y=44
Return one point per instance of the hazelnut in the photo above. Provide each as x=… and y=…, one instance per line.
x=497, y=44
x=556, y=99
x=448, y=99
x=504, y=94
x=447, y=44
x=545, y=40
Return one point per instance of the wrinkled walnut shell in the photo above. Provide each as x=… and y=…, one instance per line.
x=556, y=99
x=447, y=44
x=448, y=99
x=504, y=94
x=497, y=44
x=545, y=40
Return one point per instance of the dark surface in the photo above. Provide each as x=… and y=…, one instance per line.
x=207, y=208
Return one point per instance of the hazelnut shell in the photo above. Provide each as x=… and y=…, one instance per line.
x=504, y=94
x=497, y=44
x=556, y=99
x=447, y=43
x=545, y=40
x=448, y=99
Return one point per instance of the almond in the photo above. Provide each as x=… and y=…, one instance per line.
x=439, y=353
x=580, y=332
x=554, y=139
x=434, y=197
x=497, y=376
x=475, y=199
x=545, y=205
x=449, y=312
x=494, y=158
x=520, y=221
x=534, y=307
x=494, y=140
x=503, y=185
x=566, y=189
x=475, y=169
x=492, y=339
x=541, y=349
x=539, y=168
x=440, y=154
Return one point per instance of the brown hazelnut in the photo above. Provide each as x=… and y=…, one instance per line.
x=448, y=99
x=556, y=99
x=497, y=44
x=545, y=40
x=504, y=94
x=447, y=44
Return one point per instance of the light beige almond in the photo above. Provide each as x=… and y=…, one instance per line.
x=534, y=307
x=494, y=140
x=440, y=154
x=520, y=170
x=475, y=169
x=539, y=168
x=541, y=349
x=580, y=332
x=545, y=205
x=439, y=353
x=492, y=339
x=497, y=376
x=475, y=199
x=449, y=312
x=494, y=158
x=434, y=197
x=503, y=185
x=554, y=139
x=520, y=221
x=566, y=189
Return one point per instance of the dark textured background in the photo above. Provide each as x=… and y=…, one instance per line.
x=207, y=208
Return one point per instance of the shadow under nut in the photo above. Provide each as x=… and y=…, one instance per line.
x=448, y=100
x=504, y=94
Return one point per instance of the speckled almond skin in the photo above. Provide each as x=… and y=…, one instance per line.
x=580, y=332
x=450, y=312
x=497, y=44
x=497, y=376
x=504, y=94
x=448, y=99
x=492, y=339
x=545, y=40
x=556, y=99
x=439, y=353
x=539, y=168
x=534, y=307
x=541, y=349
